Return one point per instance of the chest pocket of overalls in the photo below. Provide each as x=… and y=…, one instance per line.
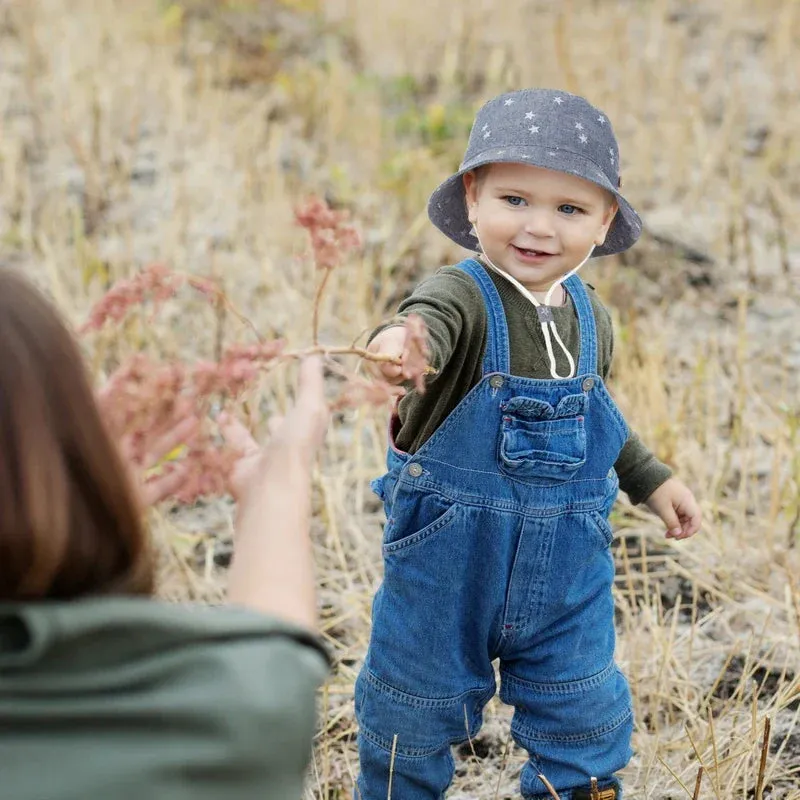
x=539, y=440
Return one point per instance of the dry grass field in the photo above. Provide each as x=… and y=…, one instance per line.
x=185, y=132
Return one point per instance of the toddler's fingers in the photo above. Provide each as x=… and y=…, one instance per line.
x=690, y=526
x=393, y=373
x=670, y=519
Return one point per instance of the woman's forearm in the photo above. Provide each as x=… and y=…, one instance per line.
x=272, y=568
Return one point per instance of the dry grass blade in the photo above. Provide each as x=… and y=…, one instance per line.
x=762, y=765
x=697, y=784
x=503, y=764
x=391, y=767
x=549, y=786
x=469, y=737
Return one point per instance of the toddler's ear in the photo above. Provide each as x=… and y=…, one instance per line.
x=608, y=218
x=471, y=195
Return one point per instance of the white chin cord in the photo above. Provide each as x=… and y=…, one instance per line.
x=544, y=312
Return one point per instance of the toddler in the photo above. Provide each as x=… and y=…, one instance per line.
x=502, y=474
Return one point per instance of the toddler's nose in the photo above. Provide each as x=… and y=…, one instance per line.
x=539, y=223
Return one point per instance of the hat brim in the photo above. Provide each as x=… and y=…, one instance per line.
x=447, y=206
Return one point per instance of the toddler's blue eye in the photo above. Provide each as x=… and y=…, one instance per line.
x=569, y=210
x=513, y=200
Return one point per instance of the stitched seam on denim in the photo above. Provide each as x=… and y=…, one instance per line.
x=507, y=506
x=561, y=687
x=407, y=752
x=605, y=398
x=507, y=607
x=495, y=313
x=533, y=458
x=422, y=702
x=433, y=484
x=587, y=327
x=449, y=421
x=603, y=526
x=533, y=735
x=534, y=600
x=424, y=533
x=471, y=396
x=480, y=501
x=423, y=752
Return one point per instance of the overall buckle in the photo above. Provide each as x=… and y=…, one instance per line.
x=595, y=793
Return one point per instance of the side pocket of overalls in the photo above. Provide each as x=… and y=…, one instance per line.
x=412, y=515
x=385, y=488
x=538, y=440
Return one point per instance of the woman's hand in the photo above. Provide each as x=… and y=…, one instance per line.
x=177, y=430
x=294, y=438
x=272, y=568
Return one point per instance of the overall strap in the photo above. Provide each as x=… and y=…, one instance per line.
x=497, y=357
x=587, y=363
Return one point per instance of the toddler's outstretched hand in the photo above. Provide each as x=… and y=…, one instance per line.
x=674, y=502
x=389, y=342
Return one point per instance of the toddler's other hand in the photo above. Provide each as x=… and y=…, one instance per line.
x=674, y=502
x=389, y=342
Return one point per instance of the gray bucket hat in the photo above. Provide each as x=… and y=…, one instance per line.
x=545, y=128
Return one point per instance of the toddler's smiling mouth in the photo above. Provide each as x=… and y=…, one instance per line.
x=532, y=254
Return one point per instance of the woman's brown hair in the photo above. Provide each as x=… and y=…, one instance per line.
x=70, y=521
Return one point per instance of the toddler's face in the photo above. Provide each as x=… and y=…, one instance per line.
x=536, y=224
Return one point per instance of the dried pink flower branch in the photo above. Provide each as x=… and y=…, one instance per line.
x=332, y=237
x=155, y=282
x=143, y=396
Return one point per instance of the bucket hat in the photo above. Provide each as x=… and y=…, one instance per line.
x=545, y=128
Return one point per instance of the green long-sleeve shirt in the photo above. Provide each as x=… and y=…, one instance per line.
x=125, y=699
x=453, y=309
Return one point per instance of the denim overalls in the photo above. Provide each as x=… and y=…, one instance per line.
x=496, y=546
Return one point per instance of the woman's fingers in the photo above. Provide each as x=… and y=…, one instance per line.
x=236, y=435
x=306, y=423
x=310, y=383
x=162, y=444
x=163, y=486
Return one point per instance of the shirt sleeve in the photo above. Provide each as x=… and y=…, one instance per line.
x=640, y=472
x=450, y=305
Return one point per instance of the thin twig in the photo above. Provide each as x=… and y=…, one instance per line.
x=697, y=783
x=317, y=303
x=204, y=286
